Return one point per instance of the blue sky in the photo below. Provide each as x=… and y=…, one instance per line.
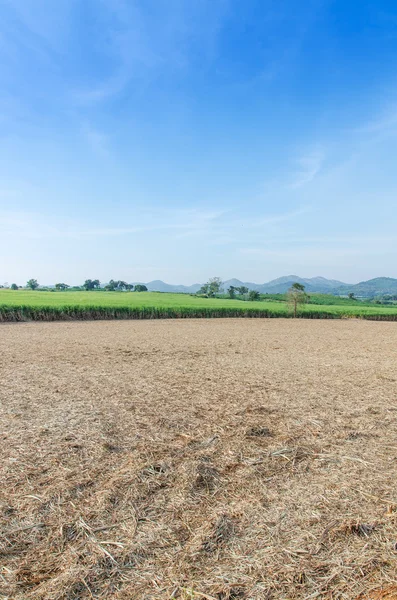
x=183, y=139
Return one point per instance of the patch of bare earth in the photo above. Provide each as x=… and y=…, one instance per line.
x=205, y=459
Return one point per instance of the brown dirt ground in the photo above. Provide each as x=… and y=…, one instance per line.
x=198, y=459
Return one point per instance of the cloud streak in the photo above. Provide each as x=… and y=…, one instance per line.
x=216, y=225
x=32, y=225
x=141, y=44
x=309, y=166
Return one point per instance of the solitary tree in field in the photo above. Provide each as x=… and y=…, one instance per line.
x=212, y=287
x=140, y=288
x=14, y=286
x=296, y=295
x=231, y=291
x=61, y=286
x=351, y=296
x=32, y=284
x=242, y=290
x=254, y=295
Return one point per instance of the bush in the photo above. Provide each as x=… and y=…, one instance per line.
x=254, y=295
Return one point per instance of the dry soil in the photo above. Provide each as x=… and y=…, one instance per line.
x=205, y=459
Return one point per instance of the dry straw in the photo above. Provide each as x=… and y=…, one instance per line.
x=198, y=460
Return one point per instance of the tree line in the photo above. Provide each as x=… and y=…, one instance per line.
x=296, y=295
x=213, y=287
x=89, y=285
x=113, y=286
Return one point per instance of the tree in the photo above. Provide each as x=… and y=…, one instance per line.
x=61, y=286
x=91, y=284
x=111, y=286
x=351, y=296
x=215, y=284
x=298, y=286
x=212, y=287
x=242, y=290
x=140, y=288
x=14, y=286
x=114, y=286
x=254, y=295
x=296, y=295
x=231, y=291
x=32, y=284
x=129, y=287
x=204, y=289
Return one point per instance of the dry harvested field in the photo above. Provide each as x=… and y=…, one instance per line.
x=198, y=459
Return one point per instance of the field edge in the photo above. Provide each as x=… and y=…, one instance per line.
x=26, y=313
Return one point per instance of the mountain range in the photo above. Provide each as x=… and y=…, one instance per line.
x=366, y=289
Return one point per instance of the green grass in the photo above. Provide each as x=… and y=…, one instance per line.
x=322, y=299
x=328, y=299
x=25, y=305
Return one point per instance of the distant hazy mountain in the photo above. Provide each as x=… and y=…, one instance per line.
x=282, y=284
x=372, y=287
x=159, y=286
x=276, y=286
x=366, y=289
x=313, y=284
x=238, y=283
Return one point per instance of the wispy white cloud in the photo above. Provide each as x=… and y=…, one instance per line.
x=216, y=226
x=126, y=46
x=385, y=122
x=289, y=244
x=33, y=225
x=354, y=252
x=141, y=43
x=47, y=28
x=223, y=228
x=23, y=224
x=309, y=165
x=282, y=217
x=294, y=253
x=325, y=259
